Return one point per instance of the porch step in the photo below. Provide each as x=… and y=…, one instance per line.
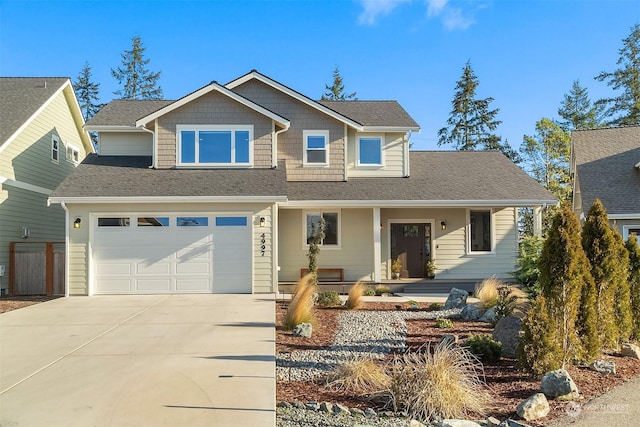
x=439, y=286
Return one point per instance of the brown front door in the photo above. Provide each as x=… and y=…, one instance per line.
x=412, y=244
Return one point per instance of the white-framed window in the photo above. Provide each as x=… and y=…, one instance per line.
x=627, y=230
x=55, y=148
x=214, y=145
x=331, y=224
x=73, y=155
x=369, y=150
x=480, y=233
x=316, y=147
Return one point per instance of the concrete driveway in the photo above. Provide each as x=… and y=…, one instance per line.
x=178, y=360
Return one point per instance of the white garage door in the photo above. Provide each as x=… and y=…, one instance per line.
x=137, y=254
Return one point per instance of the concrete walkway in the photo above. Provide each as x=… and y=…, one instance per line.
x=181, y=360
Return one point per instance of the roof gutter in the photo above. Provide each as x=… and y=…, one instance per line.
x=417, y=203
x=169, y=199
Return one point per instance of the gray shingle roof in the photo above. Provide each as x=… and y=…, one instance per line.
x=125, y=112
x=373, y=113
x=130, y=176
x=446, y=176
x=605, y=162
x=20, y=97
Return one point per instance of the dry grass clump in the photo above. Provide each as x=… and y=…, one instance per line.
x=356, y=293
x=445, y=383
x=360, y=375
x=300, y=308
x=487, y=292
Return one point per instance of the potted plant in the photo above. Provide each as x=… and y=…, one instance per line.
x=430, y=269
x=396, y=266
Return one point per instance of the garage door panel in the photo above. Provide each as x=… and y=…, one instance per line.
x=154, y=268
x=193, y=285
x=156, y=284
x=193, y=267
x=114, y=269
x=115, y=286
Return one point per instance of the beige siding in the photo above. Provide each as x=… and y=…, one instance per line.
x=214, y=109
x=393, y=155
x=355, y=254
x=80, y=245
x=125, y=144
x=290, y=143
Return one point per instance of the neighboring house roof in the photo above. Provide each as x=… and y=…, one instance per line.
x=129, y=177
x=376, y=114
x=604, y=161
x=125, y=112
x=23, y=98
x=438, y=178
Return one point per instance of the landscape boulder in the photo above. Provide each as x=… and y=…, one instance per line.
x=458, y=423
x=630, y=350
x=534, y=407
x=489, y=316
x=457, y=299
x=559, y=384
x=470, y=313
x=507, y=332
x=303, y=330
x=603, y=366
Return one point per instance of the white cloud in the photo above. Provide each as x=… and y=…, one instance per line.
x=434, y=7
x=454, y=19
x=375, y=8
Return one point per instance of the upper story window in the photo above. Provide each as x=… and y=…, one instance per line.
x=369, y=150
x=480, y=231
x=316, y=147
x=55, y=148
x=72, y=154
x=214, y=145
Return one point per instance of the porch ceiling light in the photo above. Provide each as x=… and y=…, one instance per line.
x=443, y=225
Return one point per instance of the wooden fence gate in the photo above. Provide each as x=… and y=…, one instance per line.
x=36, y=268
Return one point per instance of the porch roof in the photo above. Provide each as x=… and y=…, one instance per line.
x=438, y=178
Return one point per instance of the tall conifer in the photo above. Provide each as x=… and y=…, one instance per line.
x=634, y=283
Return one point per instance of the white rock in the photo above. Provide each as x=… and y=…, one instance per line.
x=559, y=383
x=630, y=350
x=534, y=407
x=458, y=423
x=603, y=366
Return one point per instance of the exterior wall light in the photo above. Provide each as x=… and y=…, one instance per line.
x=263, y=222
x=77, y=222
x=443, y=225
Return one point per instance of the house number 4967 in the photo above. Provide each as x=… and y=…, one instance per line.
x=263, y=244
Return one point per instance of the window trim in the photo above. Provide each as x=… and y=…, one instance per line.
x=197, y=128
x=75, y=154
x=626, y=228
x=359, y=164
x=492, y=224
x=305, y=213
x=305, y=135
x=55, y=149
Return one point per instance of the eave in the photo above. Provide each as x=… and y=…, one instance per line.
x=167, y=199
x=417, y=203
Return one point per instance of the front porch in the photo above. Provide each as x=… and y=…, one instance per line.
x=404, y=286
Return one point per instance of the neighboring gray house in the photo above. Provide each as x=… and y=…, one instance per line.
x=606, y=165
x=42, y=140
x=217, y=192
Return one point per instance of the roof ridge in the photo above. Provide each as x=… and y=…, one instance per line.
x=606, y=128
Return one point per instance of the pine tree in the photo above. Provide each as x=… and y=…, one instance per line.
x=634, y=283
x=539, y=350
x=609, y=272
x=471, y=123
x=136, y=80
x=335, y=92
x=577, y=111
x=87, y=93
x=624, y=109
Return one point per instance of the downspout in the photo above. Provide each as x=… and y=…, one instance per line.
x=274, y=146
x=407, y=168
x=66, y=248
x=154, y=155
x=346, y=144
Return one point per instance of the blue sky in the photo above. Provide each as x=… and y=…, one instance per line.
x=526, y=54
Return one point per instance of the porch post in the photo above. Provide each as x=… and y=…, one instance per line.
x=537, y=221
x=377, y=252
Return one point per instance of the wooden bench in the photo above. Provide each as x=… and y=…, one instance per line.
x=326, y=274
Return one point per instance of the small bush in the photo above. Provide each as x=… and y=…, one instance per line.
x=527, y=272
x=356, y=292
x=369, y=291
x=437, y=385
x=444, y=323
x=434, y=306
x=484, y=347
x=329, y=299
x=380, y=289
x=360, y=375
x=509, y=299
x=300, y=308
x=487, y=292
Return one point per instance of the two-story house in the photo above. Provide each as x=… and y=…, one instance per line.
x=42, y=140
x=219, y=191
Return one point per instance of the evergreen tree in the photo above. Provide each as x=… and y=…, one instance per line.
x=335, y=92
x=624, y=313
x=634, y=282
x=539, y=350
x=471, y=123
x=577, y=111
x=609, y=270
x=87, y=93
x=546, y=159
x=624, y=109
x=136, y=80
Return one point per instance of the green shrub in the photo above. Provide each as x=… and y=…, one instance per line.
x=370, y=292
x=382, y=290
x=434, y=306
x=506, y=303
x=527, y=272
x=634, y=282
x=486, y=348
x=329, y=299
x=444, y=323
